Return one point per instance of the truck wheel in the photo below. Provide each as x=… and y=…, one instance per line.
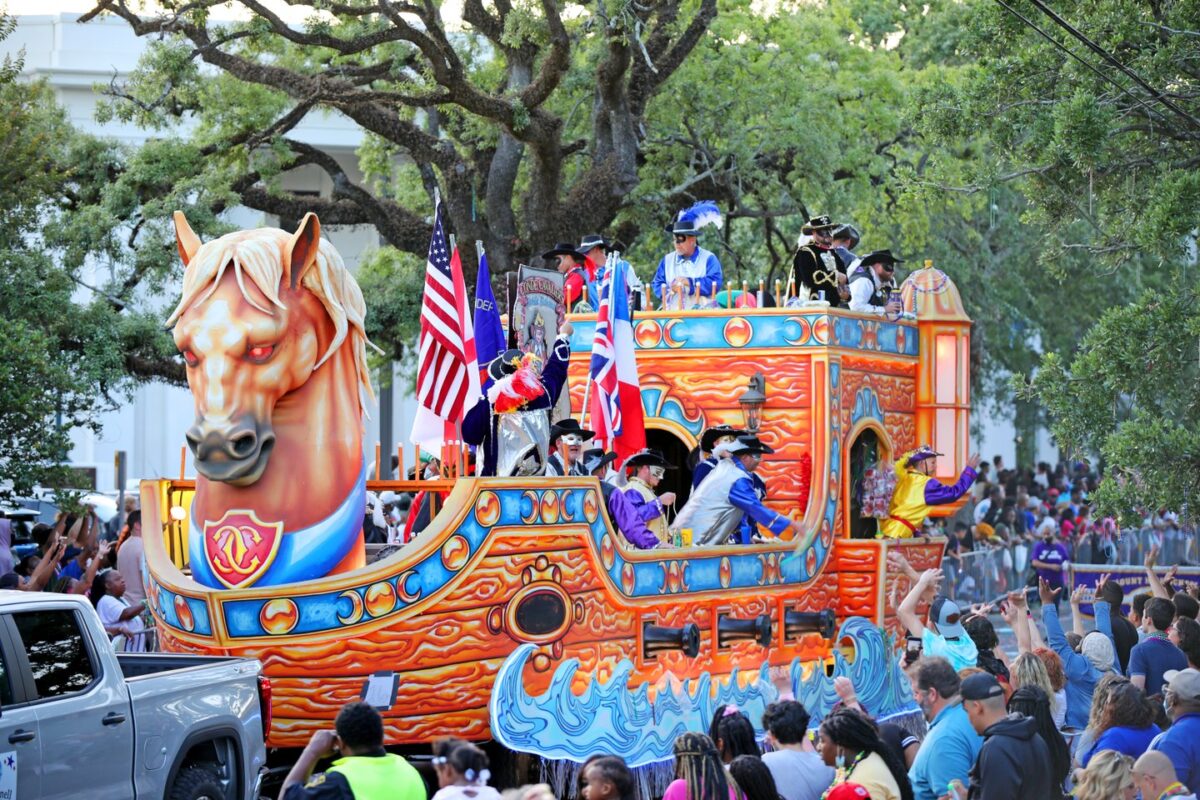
x=197, y=782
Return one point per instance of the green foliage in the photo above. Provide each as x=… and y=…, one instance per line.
x=1129, y=395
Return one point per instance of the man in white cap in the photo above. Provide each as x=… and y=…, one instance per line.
x=947, y=637
x=1181, y=741
x=727, y=504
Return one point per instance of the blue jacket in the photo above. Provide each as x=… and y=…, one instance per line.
x=709, y=283
x=949, y=750
x=1081, y=675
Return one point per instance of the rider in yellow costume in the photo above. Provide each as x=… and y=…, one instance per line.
x=916, y=491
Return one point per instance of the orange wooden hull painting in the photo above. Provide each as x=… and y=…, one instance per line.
x=511, y=562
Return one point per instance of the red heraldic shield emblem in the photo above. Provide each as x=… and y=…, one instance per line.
x=239, y=547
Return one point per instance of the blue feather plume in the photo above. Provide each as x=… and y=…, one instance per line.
x=703, y=213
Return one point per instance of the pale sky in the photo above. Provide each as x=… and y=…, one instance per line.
x=231, y=10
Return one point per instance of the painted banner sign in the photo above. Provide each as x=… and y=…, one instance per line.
x=1133, y=580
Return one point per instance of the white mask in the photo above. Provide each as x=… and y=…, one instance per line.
x=394, y=516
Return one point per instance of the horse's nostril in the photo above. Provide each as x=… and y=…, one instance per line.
x=243, y=444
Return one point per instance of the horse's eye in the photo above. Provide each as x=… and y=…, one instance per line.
x=261, y=353
x=190, y=358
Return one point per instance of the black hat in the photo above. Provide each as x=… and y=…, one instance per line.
x=880, y=257
x=822, y=223
x=708, y=439
x=981, y=686
x=593, y=240
x=568, y=425
x=596, y=458
x=683, y=227
x=647, y=458
x=505, y=364
x=747, y=445
x=847, y=231
x=564, y=249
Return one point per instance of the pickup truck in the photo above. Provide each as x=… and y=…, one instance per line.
x=78, y=720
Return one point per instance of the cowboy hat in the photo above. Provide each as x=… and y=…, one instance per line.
x=592, y=240
x=647, y=458
x=748, y=445
x=565, y=249
x=568, y=425
x=708, y=439
x=880, y=257
x=596, y=458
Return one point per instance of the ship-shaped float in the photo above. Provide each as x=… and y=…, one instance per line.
x=521, y=615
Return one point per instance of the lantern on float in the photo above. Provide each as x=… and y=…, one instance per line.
x=943, y=368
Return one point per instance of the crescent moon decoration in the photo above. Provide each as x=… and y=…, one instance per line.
x=568, y=502
x=668, y=335
x=535, y=507
x=804, y=330
x=356, y=607
x=402, y=588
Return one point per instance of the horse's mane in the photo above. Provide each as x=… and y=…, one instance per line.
x=258, y=255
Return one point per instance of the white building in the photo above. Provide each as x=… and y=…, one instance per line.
x=74, y=59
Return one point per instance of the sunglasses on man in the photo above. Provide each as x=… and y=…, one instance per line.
x=680, y=238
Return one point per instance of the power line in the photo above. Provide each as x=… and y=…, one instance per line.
x=1111, y=59
x=1140, y=101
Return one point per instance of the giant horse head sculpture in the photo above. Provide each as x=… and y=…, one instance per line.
x=270, y=326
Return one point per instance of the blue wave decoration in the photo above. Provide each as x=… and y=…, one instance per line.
x=611, y=718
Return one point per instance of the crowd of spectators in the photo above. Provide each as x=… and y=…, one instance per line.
x=1021, y=524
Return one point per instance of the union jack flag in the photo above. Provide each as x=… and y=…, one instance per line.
x=616, y=403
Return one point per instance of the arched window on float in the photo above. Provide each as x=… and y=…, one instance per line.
x=943, y=381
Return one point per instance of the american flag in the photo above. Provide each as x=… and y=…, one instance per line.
x=447, y=372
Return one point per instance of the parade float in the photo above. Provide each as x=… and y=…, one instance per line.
x=520, y=615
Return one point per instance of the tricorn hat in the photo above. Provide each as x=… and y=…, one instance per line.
x=565, y=426
x=647, y=458
x=881, y=257
x=708, y=439
x=822, y=223
x=565, y=249
x=847, y=231
x=747, y=445
x=505, y=364
x=921, y=453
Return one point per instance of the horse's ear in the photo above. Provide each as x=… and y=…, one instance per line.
x=302, y=251
x=185, y=238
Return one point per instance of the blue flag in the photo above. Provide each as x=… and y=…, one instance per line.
x=489, y=333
